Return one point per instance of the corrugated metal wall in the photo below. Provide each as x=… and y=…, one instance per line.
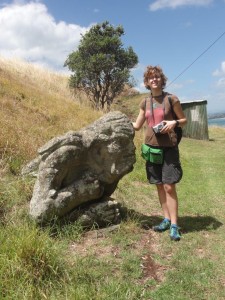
x=197, y=120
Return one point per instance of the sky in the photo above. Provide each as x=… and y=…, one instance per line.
x=185, y=37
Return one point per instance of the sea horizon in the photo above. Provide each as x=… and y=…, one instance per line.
x=220, y=122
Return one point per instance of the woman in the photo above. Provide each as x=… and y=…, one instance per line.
x=155, y=109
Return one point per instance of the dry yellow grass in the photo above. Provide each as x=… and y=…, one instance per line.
x=36, y=105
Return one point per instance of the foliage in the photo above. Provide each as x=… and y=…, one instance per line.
x=101, y=65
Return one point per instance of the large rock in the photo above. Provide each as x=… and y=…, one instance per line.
x=99, y=214
x=82, y=166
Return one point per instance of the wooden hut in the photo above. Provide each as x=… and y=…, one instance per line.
x=197, y=120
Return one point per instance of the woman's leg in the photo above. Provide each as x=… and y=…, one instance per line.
x=168, y=200
x=172, y=205
x=165, y=224
x=171, y=201
x=163, y=200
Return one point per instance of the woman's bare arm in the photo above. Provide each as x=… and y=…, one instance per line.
x=169, y=125
x=140, y=120
x=179, y=113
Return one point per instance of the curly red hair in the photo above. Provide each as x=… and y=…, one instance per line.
x=154, y=70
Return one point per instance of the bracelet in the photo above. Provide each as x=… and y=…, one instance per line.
x=177, y=123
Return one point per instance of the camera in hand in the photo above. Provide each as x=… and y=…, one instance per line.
x=157, y=128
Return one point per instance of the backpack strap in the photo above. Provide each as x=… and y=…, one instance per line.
x=171, y=105
x=178, y=130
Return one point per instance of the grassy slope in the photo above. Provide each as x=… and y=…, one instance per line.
x=36, y=105
x=130, y=263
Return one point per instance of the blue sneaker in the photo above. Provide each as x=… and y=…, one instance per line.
x=163, y=226
x=174, y=233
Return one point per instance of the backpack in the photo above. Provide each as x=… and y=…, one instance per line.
x=178, y=130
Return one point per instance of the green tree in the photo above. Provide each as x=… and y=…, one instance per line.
x=101, y=66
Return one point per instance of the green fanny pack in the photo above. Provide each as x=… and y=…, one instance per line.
x=154, y=155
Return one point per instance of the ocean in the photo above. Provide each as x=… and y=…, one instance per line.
x=217, y=122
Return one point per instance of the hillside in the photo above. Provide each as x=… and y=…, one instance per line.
x=129, y=105
x=36, y=105
x=129, y=261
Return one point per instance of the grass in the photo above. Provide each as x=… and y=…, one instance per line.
x=35, y=103
x=129, y=262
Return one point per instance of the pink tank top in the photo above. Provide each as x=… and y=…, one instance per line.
x=156, y=117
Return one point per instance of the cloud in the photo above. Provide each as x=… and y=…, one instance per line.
x=221, y=71
x=221, y=82
x=137, y=72
x=174, y=86
x=29, y=32
x=160, y=4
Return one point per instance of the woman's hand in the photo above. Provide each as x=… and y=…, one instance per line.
x=168, y=126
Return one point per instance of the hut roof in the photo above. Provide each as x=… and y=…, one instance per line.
x=195, y=101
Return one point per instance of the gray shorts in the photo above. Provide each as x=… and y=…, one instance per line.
x=169, y=172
